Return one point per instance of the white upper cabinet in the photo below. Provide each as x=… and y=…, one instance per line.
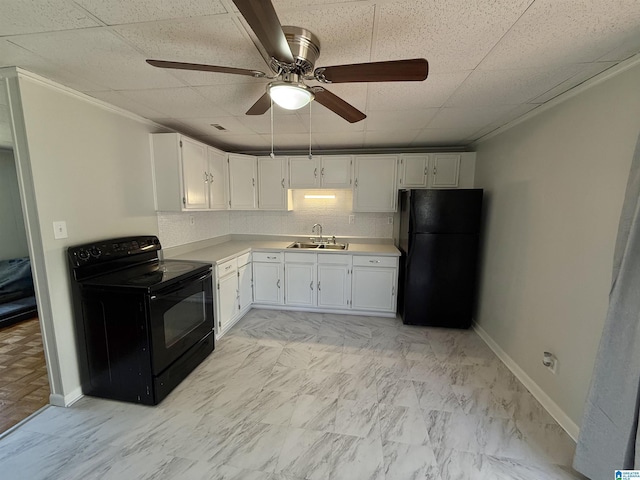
x=243, y=174
x=413, y=171
x=188, y=174
x=322, y=171
x=273, y=193
x=374, y=187
x=218, y=185
x=445, y=169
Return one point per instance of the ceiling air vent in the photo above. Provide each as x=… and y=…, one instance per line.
x=217, y=126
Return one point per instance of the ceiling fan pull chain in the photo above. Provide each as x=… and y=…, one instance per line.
x=310, y=155
x=272, y=155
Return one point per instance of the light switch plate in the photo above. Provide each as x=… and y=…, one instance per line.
x=60, y=230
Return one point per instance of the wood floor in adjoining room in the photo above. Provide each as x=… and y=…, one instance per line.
x=24, y=385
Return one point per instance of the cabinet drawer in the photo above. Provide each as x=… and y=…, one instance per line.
x=244, y=259
x=274, y=257
x=226, y=268
x=300, y=257
x=334, y=259
x=374, y=261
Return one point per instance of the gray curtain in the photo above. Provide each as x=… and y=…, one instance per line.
x=609, y=437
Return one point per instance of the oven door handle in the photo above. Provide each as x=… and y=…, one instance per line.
x=180, y=285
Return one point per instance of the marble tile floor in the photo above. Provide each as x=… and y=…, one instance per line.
x=292, y=396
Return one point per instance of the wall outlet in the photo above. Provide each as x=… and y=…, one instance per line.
x=352, y=219
x=192, y=220
x=60, y=230
x=389, y=220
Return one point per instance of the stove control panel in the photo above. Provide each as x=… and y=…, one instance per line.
x=114, y=249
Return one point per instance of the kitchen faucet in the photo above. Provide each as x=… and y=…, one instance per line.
x=319, y=238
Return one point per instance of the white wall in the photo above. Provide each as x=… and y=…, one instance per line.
x=90, y=167
x=554, y=189
x=332, y=214
x=13, y=239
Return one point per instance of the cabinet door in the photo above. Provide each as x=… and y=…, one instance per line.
x=217, y=180
x=335, y=171
x=245, y=286
x=374, y=188
x=444, y=171
x=374, y=288
x=195, y=168
x=271, y=187
x=334, y=288
x=303, y=173
x=414, y=170
x=242, y=182
x=227, y=301
x=267, y=283
x=300, y=284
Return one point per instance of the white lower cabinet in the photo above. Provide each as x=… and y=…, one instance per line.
x=233, y=291
x=334, y=282
x=374, y=283
x=300, y=279
x=268, y=273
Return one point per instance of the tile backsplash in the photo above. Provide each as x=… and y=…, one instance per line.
x=333, y=214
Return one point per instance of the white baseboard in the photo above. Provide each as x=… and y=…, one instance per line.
x=294, y=308
x=552, y=407
x=65, y=400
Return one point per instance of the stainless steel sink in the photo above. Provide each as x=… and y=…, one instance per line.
x=334, y=246
x=303, y=245
x=323, y=246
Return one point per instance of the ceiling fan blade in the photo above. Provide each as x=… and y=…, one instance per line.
x=205, y=68
x=261, y=106
x=413, y=70
x=334, y=103
x=262, y=18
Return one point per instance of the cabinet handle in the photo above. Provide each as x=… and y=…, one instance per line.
x=393, y=291
x=425, y=171
x=271, y=258
x=211, y=177
x=278, y=284
x=322, y=172
x=227, y=267
x=311, y=285
x=356, y=183
x=318, y=286
x=315, y=173
x=374, y=261
x=206, y=177
x=283, y=183
x=434, y=170
x=253, y=182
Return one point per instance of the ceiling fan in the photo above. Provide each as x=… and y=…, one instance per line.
x=293, y=52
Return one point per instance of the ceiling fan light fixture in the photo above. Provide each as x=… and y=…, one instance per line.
x=290, y=96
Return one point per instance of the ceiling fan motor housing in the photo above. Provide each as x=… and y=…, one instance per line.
x=305, y=47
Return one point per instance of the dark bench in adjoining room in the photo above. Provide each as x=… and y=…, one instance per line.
x=17, y=295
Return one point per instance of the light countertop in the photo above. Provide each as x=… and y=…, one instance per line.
x=223, y=251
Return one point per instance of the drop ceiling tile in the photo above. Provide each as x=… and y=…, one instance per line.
x=399, y=120
x=235, y=99
x=98, y=55
x=395, y=138
x=204, y=126
x=433, y=92
x=559, y=33
x=20, y=16
x=453, y=36
x=329, y=122
x=175, y=102
x=289, y=141
x=624, y=50
x=509, y=87
x=589, y=70
x=433, y=137
x=468, y=118
x=236, y=143
x=114, y=12
x=208, y=40
x=171, y=124
x=331, y=141
x=15, y=55
x=282, y=122
x=119, y=100
x=344, y=31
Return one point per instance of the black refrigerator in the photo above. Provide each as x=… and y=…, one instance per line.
x=438, y=238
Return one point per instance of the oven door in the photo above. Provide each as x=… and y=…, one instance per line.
x=180, y=316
